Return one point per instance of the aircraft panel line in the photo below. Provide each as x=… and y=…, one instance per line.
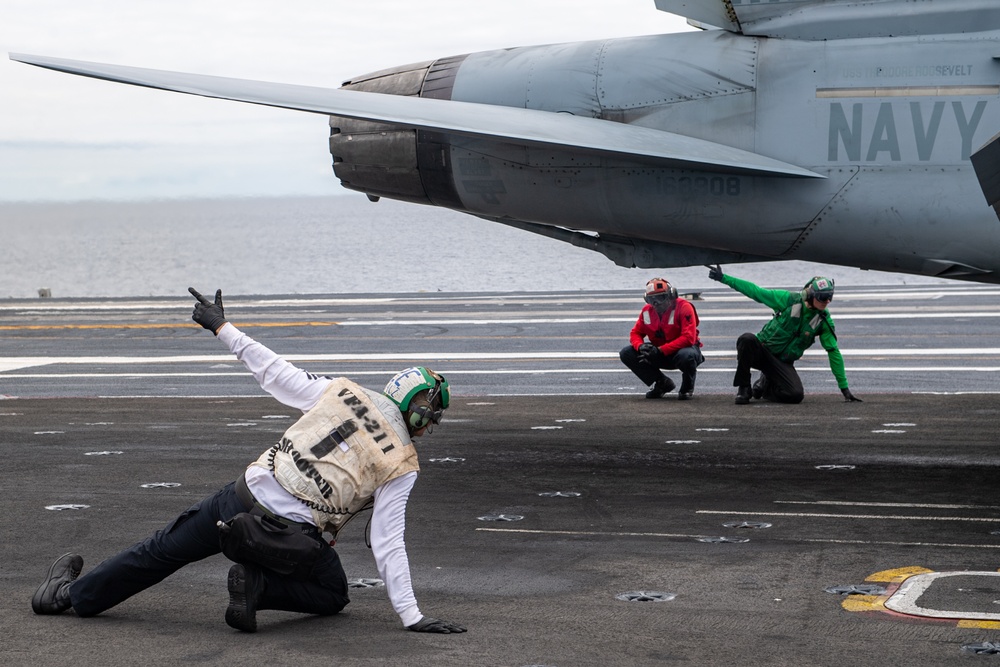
x=908, y=91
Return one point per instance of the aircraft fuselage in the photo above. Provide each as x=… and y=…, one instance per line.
x=890, y=123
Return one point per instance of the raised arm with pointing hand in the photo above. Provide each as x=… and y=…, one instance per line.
x=209, y=315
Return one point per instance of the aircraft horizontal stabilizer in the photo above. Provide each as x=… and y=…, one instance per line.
x=477, y=121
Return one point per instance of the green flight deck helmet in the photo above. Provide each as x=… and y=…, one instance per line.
x=819, y=288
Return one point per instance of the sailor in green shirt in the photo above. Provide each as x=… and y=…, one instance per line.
x=799, y=317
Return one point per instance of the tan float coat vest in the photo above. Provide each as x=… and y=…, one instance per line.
x=338, y=453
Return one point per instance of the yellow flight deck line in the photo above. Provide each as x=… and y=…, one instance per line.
x=750, y=315
x=880, y=293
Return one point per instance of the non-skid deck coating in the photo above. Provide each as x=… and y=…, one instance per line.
x=540, y=590
x=903, y=480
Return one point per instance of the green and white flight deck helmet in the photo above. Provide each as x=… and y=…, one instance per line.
x=421, y=395
x=820, y=289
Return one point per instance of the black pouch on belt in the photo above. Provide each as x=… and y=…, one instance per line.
x=260, y=540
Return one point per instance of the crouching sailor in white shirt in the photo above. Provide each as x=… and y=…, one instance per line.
x=351, y=451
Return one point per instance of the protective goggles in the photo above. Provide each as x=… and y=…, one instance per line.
x=433, y=395
x=435, y=415
x=656, y=299
x=825, y=297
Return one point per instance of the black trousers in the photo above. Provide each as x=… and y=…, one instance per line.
x=191, y=537
x=686, y=360
x=783, y=382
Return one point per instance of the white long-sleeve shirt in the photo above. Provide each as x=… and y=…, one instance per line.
x=298, y=389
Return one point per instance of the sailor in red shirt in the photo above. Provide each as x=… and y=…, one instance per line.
x=664, y=336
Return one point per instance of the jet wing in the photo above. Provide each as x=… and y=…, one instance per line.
x=839, y=19
x=482, y=121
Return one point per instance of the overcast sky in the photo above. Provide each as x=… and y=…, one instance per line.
x=64, y=137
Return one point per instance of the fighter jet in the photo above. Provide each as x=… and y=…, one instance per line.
x=833, y=131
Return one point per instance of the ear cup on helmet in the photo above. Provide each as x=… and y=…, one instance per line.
x=420, y=416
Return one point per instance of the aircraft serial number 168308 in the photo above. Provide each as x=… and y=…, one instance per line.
x=835, y=131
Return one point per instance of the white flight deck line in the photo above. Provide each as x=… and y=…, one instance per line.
x=18, y=363
x=864, y=517
x=768, y=514
x=847, y=503
x=749, y=315
x=906, y=597
x=9, y=364
x=593, y=533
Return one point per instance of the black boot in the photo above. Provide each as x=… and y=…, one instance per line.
x=687, y=388
x=760, y=386
x=661, y=387
x=52, y=597
x=246, y=586
x=743, y=395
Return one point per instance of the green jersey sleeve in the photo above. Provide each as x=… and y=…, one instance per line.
x=775, y=299
x=828, y=339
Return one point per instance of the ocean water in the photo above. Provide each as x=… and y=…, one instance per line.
x=318, y=245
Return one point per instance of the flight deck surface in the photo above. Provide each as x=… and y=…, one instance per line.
x=551, y=489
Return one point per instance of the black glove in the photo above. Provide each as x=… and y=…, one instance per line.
x=647, y=352
x=428, y=624
x=714, y=272
x=849, y=397
x=207, y=314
